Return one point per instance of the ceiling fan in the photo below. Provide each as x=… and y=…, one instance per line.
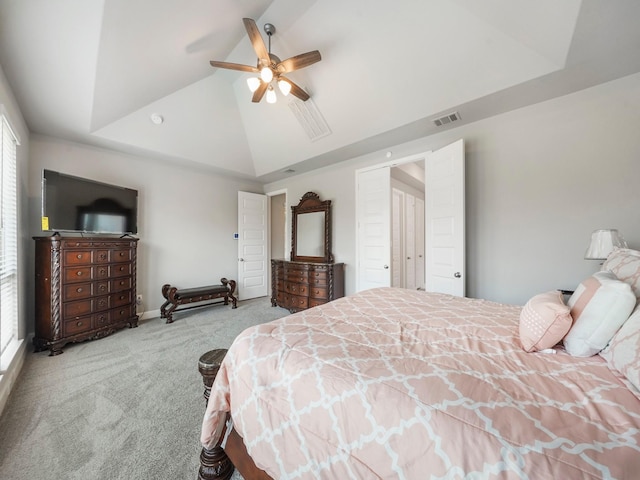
x=270, y=67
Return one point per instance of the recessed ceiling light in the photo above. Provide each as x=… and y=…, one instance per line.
x=156, y=118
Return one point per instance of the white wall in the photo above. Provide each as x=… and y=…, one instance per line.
x=186, y=218
x=538, y=181
x=10, y=369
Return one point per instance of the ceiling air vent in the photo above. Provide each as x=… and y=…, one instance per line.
x=448, y=118
x=310, y=118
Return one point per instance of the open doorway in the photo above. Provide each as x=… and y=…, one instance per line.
x=407, y=225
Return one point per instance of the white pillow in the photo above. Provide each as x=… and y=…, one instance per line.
x=599, y=306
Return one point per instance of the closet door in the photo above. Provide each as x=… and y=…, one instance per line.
x=373, y=220
x=410, y=242
x=420, y=260
x=397, y=238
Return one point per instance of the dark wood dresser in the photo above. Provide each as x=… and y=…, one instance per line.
x=85, y=289
x=301, y=285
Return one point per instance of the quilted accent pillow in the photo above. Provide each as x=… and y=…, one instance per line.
x=599, y=306
x=625, y=264
x=544, y=321
x=623, y=353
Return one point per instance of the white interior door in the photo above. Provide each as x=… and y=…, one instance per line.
x=444, y=220
x=252, y=245
x=373, y=217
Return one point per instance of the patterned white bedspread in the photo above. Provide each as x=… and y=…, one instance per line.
x=393, y=383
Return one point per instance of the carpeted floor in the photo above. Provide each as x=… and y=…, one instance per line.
x=128, y=406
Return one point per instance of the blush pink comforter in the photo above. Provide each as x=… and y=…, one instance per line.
x=393, y=383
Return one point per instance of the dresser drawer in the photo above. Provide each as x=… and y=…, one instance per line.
x=318, y=292
x=296, y=288
x=120, y=270
x=101, y=256
x=77, y=291
x=318, y=278
x=77, y=274
x=120, y=284
x=299, y=276
x=76, y=325
x=77, y=257
x=78, y=308
x=120, y=298
x=121, y=255
x=296, y=302
x=121, y=313
x=101, y=319
x=314, y=302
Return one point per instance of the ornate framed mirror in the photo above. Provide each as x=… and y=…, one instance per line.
x=311, y=230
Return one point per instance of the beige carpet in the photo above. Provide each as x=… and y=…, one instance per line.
x=128, y=406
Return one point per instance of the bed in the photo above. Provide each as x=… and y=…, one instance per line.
x=393, y=383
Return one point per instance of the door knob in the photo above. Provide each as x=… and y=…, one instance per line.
x=386, y=267
x=241, y=259
x=457, y=275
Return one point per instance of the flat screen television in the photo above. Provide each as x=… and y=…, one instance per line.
x=74, y=204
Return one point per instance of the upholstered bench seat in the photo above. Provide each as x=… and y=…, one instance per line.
x=196, y=295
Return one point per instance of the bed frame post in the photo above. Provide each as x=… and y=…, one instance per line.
x=214, y=463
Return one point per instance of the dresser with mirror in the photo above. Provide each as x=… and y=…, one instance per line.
x=311, y=277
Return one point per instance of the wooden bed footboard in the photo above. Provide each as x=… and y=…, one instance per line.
x=218, y=463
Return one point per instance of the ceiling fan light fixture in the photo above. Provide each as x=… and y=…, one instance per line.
x=271, y=95
x=266, y=74
x=284, y=86
x=253, y=83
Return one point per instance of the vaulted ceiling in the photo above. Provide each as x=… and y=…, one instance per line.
x=94, y=71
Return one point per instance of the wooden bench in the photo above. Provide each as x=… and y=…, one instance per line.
x=175, y=298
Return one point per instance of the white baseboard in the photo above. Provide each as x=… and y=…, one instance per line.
x=148, y=315
x=10, y=372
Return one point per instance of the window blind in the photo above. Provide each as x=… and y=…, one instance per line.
x=8, y=238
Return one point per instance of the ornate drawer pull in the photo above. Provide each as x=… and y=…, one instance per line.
x=79, y=273
x=79, y=289
x=122, y=254
x=122, y=297
x=79, y=256
x=121, y=282
x=79, y=324
x=122, y=269
x=103, y=271
x=103, y=256
x=103, y=288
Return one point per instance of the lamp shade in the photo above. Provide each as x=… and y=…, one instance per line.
x=602, y=244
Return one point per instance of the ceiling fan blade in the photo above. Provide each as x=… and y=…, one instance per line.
x=296, y=90
x=257, y=42
x=259, y=93
x=234, y=66
x=298, y=62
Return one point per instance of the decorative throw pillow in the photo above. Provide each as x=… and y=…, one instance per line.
x=625, y=264
x=599, y=306
x=623, y=352
x=544, y=320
